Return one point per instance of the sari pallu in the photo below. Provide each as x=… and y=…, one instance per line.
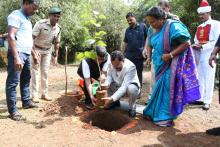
x=176, y=83
x=184, y=84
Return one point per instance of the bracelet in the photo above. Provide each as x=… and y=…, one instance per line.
x=171, y=55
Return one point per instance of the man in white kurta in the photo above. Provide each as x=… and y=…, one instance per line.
x=205, y=39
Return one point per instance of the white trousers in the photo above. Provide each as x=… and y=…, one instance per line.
x=132, y=91
x=206, y=81
x=43, y=69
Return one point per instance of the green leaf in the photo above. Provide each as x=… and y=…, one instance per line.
x=100, y=34
x=90, y=42
x=95, y=12
x=103, y=17
x=101, y=43
x=80, y=56
x=97, y=25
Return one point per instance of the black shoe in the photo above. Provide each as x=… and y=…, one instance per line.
x=206, y=107
x=131, y=113
x=214, y=131
x=90, y=106
x=29, y=106
x=16, y=116
x=196, y=103
x=113, y=105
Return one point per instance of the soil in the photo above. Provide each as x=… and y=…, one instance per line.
x=65, y=122
x=99, y=95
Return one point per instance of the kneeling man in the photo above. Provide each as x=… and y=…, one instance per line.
x=122, y=78
x=89, y=69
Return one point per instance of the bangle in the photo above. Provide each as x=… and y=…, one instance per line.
x=171, y=55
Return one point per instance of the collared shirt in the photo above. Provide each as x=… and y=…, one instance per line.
x=46, y=34
x=135, y=38
x=126, y=76
x=24, y=40
x=207, y=48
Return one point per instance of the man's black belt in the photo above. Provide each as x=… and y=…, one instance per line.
x=43, y=48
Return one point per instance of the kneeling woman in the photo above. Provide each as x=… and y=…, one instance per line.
x=175, y=72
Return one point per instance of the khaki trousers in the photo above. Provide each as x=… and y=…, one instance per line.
x=42, y=70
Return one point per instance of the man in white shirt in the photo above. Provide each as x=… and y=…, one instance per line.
x=206, y=36
x=122, y=78
x=89, y=69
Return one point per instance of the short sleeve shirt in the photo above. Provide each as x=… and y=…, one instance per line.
x=218, y=42
x=135, y=38
x=24, y=40
x=46, y=34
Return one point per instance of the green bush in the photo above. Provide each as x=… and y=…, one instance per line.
x=74, y=22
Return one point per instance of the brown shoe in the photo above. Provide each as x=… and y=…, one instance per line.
x=35, y=99
x=45, y=97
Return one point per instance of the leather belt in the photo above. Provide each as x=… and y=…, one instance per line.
x=43, y=48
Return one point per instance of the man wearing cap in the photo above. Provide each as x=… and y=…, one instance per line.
x=206, y=36
x=46, y=33
x=89, y=69
x=20, y=45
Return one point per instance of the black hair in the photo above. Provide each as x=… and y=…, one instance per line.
x=37, y=2
x=130, y=14
x=101, y=51
x=156, y=12
x=59, y=13
x=117, y=55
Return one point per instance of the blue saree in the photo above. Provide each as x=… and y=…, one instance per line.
x=176, y=81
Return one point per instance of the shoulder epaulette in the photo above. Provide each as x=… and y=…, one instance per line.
x=43, y=21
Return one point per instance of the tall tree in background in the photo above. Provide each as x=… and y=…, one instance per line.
x=74, y=30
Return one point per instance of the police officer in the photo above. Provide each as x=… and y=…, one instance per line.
x=46, y=33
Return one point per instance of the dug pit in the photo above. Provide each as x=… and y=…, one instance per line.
x=112, y=120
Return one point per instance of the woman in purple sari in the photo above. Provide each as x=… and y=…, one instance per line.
x=176, y=80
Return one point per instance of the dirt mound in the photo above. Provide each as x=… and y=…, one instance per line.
x=64, y=106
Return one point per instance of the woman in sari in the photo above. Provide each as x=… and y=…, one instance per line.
x=174, y=65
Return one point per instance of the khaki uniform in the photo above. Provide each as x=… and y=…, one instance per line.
x=46, y=35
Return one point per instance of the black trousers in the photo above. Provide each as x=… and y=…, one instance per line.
x=139, y=63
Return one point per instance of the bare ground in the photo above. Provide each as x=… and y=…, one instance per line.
x=65, y=122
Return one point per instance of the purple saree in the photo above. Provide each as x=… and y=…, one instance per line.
x=184, y=84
